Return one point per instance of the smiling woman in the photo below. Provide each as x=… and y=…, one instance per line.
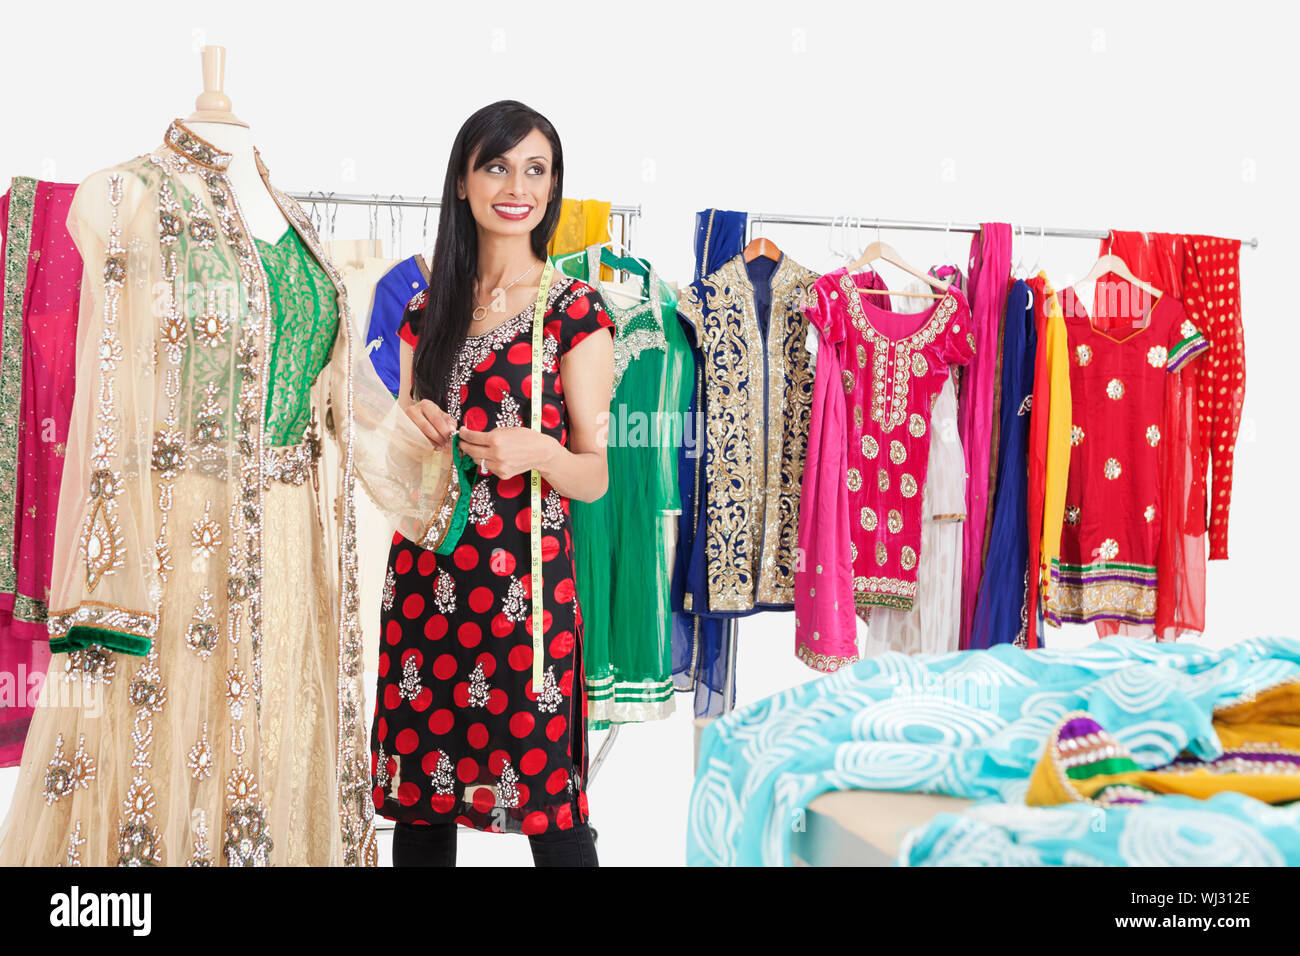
x=481, y=715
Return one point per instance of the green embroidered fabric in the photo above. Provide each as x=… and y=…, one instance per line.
x=306, y=322
x=466, y=470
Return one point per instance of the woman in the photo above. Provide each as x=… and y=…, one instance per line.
x=461, y=735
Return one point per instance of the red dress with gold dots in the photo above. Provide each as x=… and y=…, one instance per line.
x=460, y=733
x=1111, y=538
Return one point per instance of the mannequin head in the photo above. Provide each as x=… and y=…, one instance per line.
x=505, y=177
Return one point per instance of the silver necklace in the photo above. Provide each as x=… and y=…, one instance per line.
x=483, y=309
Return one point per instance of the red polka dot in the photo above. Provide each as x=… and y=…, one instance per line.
x=480, y=600
x=477, y=735
x=467, y=769
x=463, y=821
x=397, y=537
x=428, y=563
x=533, y=762
x=476, y=419
x=550, y=415
x=562, y=644
x=435, y=628
x=378, y=797
x=460, y=694
x=412, y=654
x=464, y=394
x=441, y=722
x=443, y=802
x=487, y=660
x=552, y=329
x=557, y=781
x=393, y=632
x=469, y=634
x=413, y=606
x=564, y=817
x=381, y=730
x=465, y=557
x=392, y=697
x=407, y=741
x=526, y=386
x=522, y=723
x=520, y=657
x=566, y=683
x=534, y=823
x=497, y=762
x=408, y=793
x=521, y=353
x=502, y=562
x=496, y=388
x=559, y=386
x=582, y=804
x=429, y=762
x=502, y=626
x=555, y=727
x=497, y=701
x=550, y=547
x=546, y=622
x=564, y=591
x=510, y=487
x=490, y=528
x=524, y=520
x=383, y=664
x=486, y=364
x=422, y=700
x=403, y=562
x=484, y=801
x=522, y=790
x=578, y=308
x=444, y=668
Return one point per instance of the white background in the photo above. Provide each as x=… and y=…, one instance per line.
x=1173, y=117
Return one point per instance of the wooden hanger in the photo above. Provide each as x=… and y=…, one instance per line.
x=761, y=247
x=883, y=250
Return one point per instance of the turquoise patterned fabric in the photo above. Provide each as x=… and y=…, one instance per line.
x=973, y=724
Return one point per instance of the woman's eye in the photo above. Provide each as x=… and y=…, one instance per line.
x=536, y=170
x=496, y=168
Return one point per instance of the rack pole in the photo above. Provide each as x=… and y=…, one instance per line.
x=917, y=225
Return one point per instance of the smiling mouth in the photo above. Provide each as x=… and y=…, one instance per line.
x=511, y=211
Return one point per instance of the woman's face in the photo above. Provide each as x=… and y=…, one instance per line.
x=508, y=194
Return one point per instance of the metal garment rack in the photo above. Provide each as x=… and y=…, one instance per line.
x=626, y=216
x=910, y=225
x=916, y=225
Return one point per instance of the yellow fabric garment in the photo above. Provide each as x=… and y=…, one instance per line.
x=1097, y=769
x=583, y=223
x=1058, y=439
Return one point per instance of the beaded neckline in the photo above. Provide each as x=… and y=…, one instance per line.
x=194, y=147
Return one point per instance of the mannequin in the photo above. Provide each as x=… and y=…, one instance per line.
x=213, y=121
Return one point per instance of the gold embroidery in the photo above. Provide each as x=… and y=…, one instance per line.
x=854, y=479
x=894, y=521
x=870, y=447
x=907, y=485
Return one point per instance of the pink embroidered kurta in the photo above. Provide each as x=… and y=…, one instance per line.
x=891, y=369
x=42, y=289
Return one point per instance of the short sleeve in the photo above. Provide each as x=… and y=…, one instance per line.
x=408, y=328
x=959, y=341
x=822, y=310
x=1185, y=343
x=583, y=312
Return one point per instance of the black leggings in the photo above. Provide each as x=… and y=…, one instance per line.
x=435, y=845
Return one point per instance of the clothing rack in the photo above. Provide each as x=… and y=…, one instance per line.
x=912, y=225
x=916, y=225
x=626, y=216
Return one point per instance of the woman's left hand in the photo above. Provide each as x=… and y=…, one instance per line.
x=506, y=452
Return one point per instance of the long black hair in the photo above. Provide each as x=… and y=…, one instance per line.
x=488, y=133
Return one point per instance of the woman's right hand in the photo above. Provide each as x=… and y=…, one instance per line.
x=436, y=424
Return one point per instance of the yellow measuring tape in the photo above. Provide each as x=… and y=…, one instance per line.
x=535, y=401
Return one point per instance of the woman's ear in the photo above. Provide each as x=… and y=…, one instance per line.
x=460, y=187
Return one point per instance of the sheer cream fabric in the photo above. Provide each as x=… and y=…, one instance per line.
x=240, y=738
x=933, y=624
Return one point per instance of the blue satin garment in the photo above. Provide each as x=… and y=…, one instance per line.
x=1000, y=611
x=392, y=293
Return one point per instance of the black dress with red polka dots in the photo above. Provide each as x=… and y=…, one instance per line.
x=460, y=732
